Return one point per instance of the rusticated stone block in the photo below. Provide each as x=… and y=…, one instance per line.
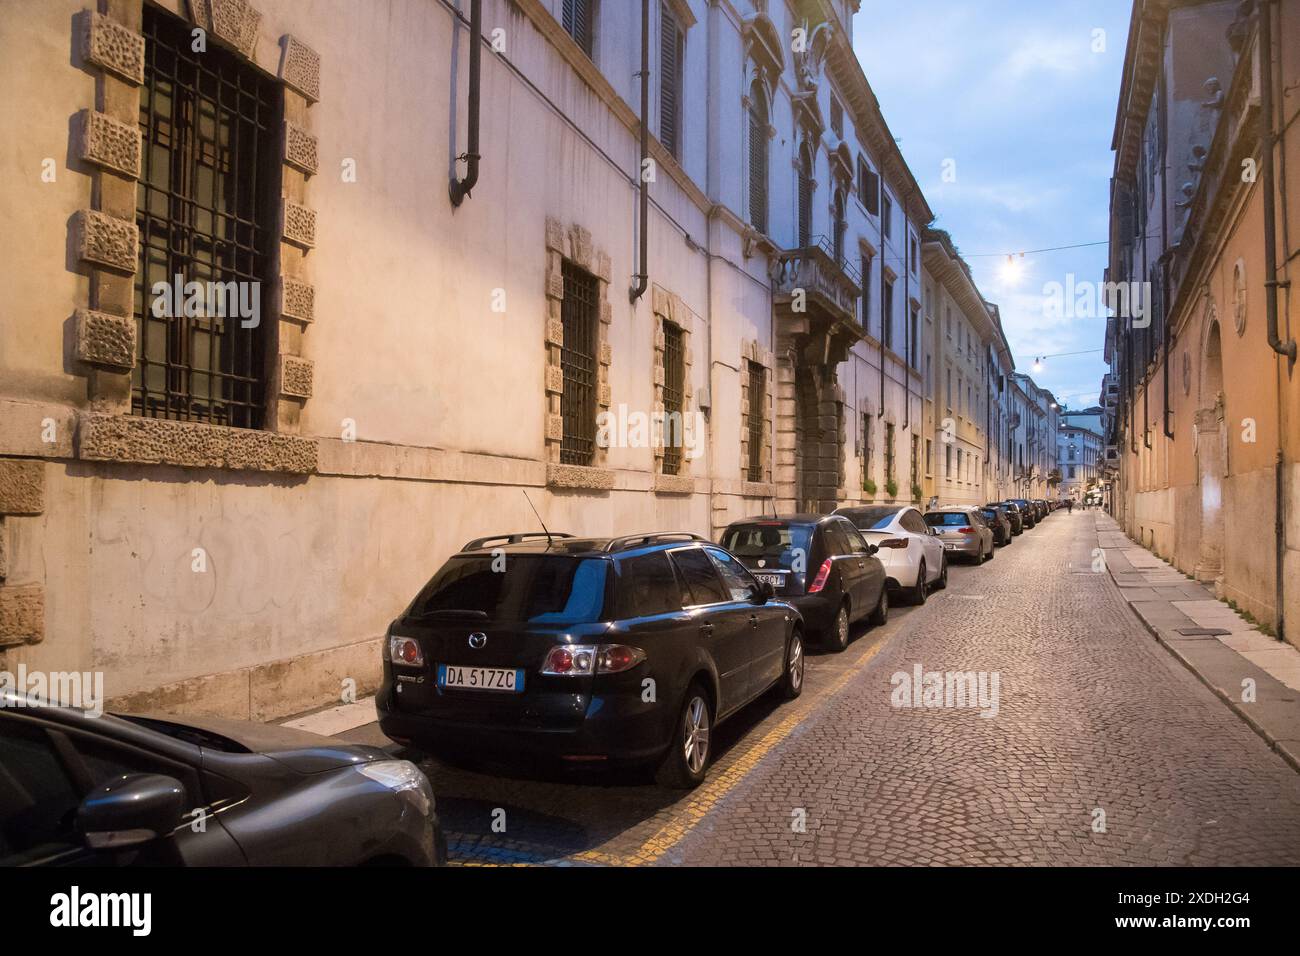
x=300, y=148
x=554, y=428
x=106, y=341
x=554, y=235
x=554, y=332
x=603, y=395
x=4, y=552
x=22, y=615
x=580, y=250
x=604, y=268
x=105, y=142
x=106, y=241
x=300, y=68
x=674, y=485
x=112, y=47
x=295, y=376
x=297, y=299
x=201, y=13
x=554, y=285
x=148, y=441
x=236, y=22
x=299, y=224
x=580, y=477
x=554, y=379
x=606, y=353
x=22, y=486
x=606, y=313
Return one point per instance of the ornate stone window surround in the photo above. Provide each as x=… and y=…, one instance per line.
x=106, y=242
x=574, y=244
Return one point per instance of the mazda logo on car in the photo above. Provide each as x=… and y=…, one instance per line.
x=477, y=639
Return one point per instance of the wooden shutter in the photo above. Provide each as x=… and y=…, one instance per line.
x=670, y=49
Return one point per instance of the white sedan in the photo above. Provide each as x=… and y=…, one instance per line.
x=912, y=554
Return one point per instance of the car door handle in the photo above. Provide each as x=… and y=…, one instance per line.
x=753, y=620
x=706, y=630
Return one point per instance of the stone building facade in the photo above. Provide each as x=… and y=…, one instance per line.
x=1201, y=406
x=218, y=491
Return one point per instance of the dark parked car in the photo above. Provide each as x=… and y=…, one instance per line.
x=819, y=563
x=1011, y=512
x=83, y=790
x=995, y=516
x=1028, y=511
x=587, y=650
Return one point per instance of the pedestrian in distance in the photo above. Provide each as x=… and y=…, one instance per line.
x=1069, y=506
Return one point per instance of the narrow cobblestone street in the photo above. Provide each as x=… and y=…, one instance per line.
x=1093, y=715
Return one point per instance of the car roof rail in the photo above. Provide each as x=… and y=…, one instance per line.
x=653, y=537
x=516, y=538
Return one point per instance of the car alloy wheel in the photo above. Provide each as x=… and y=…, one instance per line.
x=880, y=615
x=942, y=583
x=840, y=630
x=921, y=589
x=695, y=739
x=792, y=685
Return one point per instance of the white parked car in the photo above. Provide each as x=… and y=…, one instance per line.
x=912, y=554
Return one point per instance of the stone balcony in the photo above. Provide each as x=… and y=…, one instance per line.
x=816, y=299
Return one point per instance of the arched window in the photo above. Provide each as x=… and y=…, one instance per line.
x=805, y=195
x=758, y=157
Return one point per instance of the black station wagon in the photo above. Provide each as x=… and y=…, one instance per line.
x=588, y=650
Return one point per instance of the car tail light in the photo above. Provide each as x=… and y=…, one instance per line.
x=894, y=543
x=965, y=530
x=615, y=658
x=405, y=650
x=581, y=660
x=823, y=573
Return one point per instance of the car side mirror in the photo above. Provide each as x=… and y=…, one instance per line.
x=872, y=548
x=764, y=593
x=135, y=808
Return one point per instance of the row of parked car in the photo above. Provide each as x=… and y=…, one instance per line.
x=587, y=650
x=633, y=649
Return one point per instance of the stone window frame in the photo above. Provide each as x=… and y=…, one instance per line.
x=669, y=307
x=751, y=350
x=575, y=245
x=107, y=141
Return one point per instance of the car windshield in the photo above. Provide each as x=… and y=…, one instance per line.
x=936, y=519
x=871, y=519
x=539, y=589
x=775, y=541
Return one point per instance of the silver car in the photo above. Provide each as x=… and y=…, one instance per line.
x=963, y=531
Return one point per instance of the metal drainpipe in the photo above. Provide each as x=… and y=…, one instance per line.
x=642, y=277
x=1271, y=284
x=1167, y=334
x=460, y=187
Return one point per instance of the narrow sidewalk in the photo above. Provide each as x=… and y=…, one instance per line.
x=1213, y=641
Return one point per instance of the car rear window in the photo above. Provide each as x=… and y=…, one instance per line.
x=871, y=519
x=539, y=589
x=777, y=542
x=947, y=519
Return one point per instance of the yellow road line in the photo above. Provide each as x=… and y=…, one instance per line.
x=713, y=791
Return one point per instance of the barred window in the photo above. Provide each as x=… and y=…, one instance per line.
x=206, y=210
x=670, y=80
x=579, y=363
x=577, y=17
x=674, y=393
x=868, y=440
x=757, y=420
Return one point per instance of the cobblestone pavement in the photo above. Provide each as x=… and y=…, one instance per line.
x=1093, y=717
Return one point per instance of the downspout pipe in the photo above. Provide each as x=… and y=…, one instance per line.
x=641, y=280
x=1163, y=263
x=1266, y=178
x=1271, y=283
x=460, y=187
